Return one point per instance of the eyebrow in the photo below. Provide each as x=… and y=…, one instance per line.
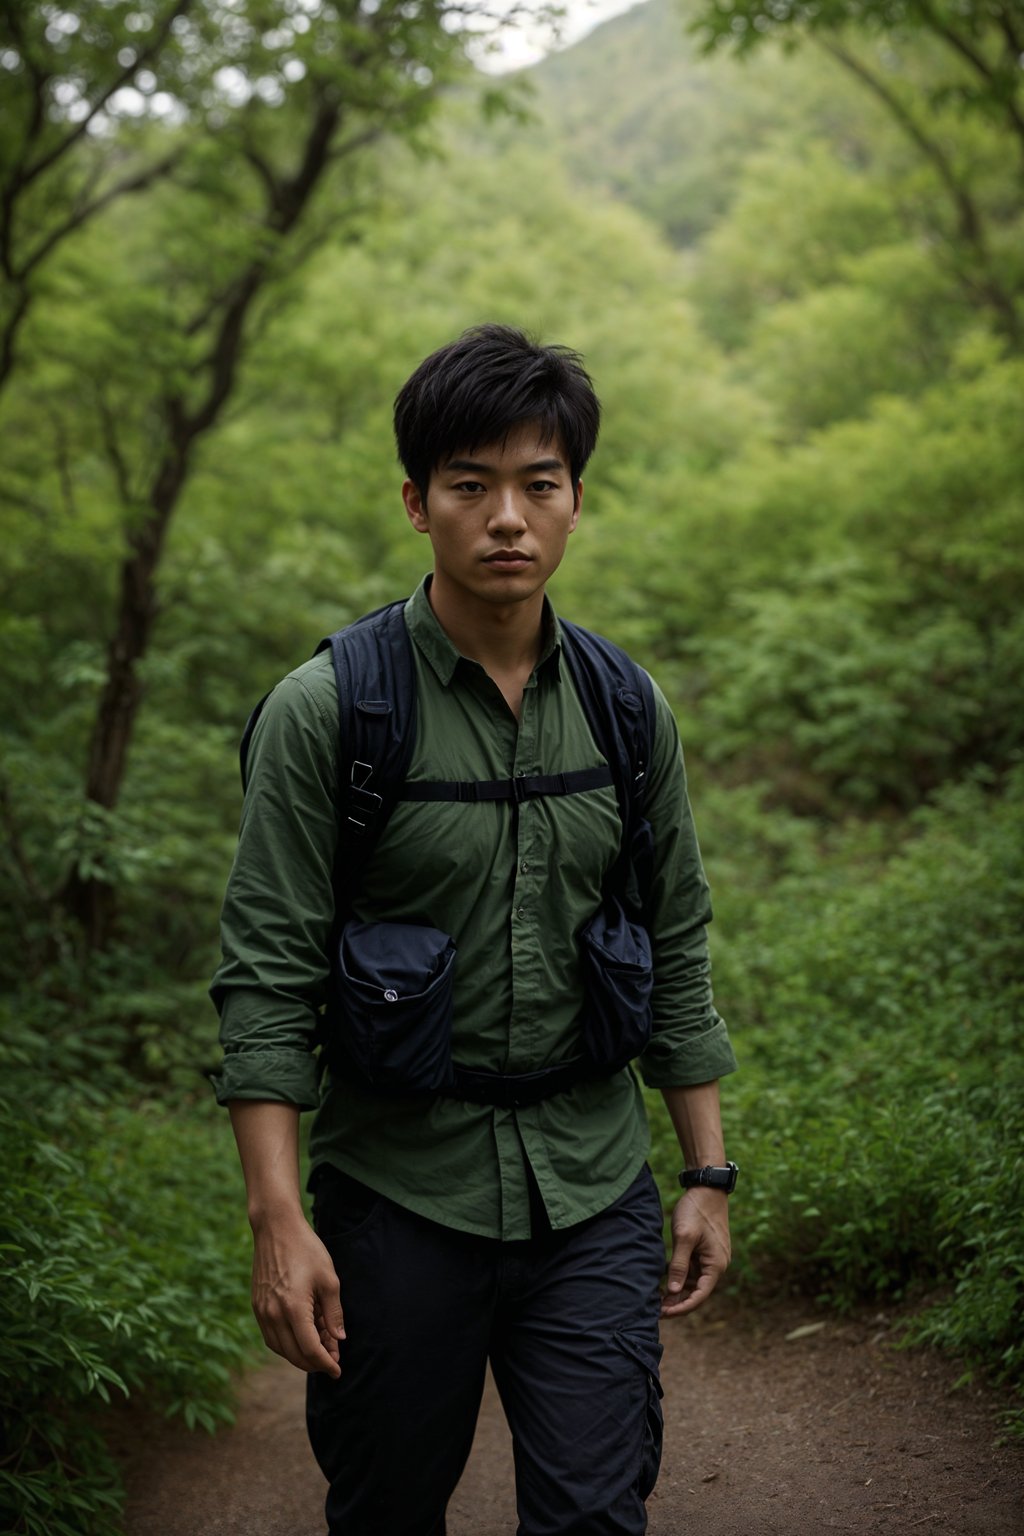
x=475, y=467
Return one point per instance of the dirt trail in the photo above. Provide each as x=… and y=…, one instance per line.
x=766, y=1435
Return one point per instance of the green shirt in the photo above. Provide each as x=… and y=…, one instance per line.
x=512, y=886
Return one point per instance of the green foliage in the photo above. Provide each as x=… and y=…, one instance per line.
x=948, y=77
x=842, y=616
x=823, y=213
x=977, y=43
x=878, y=1117
x=116, y=1280
x=981, y=1221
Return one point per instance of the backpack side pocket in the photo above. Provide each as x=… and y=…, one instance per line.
x=395, y=984
x=618, y=975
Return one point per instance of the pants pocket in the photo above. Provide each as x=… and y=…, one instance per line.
x=342, y=1206
x=646, y=1352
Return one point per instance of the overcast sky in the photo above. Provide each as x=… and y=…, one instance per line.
x=525, y=45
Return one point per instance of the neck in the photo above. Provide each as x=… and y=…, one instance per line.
x=503, y=638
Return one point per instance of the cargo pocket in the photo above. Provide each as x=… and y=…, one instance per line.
x=394, y=985
x=618, y=976
x=646, y=1352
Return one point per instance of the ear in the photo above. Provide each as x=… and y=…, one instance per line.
x=415, y=506
x=577, y=506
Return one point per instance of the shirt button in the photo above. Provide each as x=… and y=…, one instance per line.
x=524, y=868
x=519, y=911
x=520, y=773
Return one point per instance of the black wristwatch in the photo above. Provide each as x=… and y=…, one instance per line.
x=710, y=1178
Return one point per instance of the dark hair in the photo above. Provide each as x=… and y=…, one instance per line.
x=477, y=389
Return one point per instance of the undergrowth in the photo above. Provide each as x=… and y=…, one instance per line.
x=124, y=1272
x=878, y=1116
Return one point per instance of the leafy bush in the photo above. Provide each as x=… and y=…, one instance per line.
x=879, y=1110
x=124, y=1271
x=979, y=1214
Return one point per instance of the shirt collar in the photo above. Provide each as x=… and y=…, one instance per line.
x=442, y=655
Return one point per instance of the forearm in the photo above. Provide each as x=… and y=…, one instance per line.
x=267, y=1134
x=697, y=1117
x=295, y=1292
x=700, y=1221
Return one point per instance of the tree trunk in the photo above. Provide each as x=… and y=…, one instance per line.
x=88, y=900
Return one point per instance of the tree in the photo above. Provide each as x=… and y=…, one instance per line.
x=983, y=43
x=986, y=37
x=80, y=84
x=258, y=116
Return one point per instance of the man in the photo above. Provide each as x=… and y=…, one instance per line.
x=450, y=1231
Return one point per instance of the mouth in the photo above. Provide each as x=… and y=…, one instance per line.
x=508, y=559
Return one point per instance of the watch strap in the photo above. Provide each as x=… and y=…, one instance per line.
x=710, y=1177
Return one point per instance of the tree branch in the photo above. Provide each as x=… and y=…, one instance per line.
x=977, y=61
x=295, y=193
x=202, y=317
x=970, y=224
x=286, y=199
x=265, y=173
x=968, y=216
x=26, y=503
x=144, y=57
x=18, y=277
x=357, y=142
x=137, y=183
x=1014, y=39
x=9, y=335
x=111, y=443
x=39, y=76
x=297, y=190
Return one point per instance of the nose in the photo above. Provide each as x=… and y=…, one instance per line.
x=506, y=516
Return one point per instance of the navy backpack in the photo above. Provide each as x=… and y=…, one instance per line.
x=390, y=1015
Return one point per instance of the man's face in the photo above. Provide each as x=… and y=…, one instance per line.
x=497, y=518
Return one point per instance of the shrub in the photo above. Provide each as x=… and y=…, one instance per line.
x=125, y=1270
x=879, y=1113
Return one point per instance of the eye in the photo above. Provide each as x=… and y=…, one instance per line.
x=543, y=485
x=471, y=487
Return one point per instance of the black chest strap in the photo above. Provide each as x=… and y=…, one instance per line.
x=523, y=787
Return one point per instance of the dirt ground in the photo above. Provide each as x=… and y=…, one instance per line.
x=778, y=1423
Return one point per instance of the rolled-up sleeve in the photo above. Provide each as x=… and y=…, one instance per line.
x=690, y=1043
x=279, y=905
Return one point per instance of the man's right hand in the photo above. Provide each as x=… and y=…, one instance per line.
x=295, y=1294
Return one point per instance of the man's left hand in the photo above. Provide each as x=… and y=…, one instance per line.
x=700, y=1250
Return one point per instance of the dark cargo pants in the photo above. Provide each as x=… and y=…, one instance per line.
x=569, y=1321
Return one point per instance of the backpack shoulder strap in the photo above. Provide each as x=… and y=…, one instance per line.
x=618, y=701
x=375, y=679
x=375, y=676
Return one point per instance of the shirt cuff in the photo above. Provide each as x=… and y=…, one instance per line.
x=694, y=1059
x=286, y=1077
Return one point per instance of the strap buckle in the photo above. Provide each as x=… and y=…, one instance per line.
x=363, y=803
